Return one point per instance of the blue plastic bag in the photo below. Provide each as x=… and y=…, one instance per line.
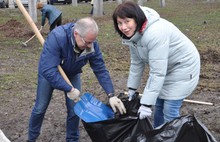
x=90, y=109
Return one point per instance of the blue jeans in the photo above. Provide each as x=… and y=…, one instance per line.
x=166, y=110
x=44, y=94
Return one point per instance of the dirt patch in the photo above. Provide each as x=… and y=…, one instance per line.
x=210, y=56
x=18, y=76
x=14, y=29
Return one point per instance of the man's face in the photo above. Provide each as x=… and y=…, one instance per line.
x=84, y=42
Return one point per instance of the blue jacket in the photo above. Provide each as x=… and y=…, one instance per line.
x=58, y=50
x=50, y=12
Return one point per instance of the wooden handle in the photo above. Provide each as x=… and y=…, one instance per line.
x=33, y=36
x=39, y=36
x=198, y=102
x=187, y=100
x=64, y=75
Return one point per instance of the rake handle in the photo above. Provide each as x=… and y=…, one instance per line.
x=187, y=100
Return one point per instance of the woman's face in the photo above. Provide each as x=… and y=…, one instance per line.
x=127, y=26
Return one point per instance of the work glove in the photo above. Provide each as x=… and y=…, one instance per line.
x=116, y=103
x=131, y=94
x=144, y=112
x=74, y=95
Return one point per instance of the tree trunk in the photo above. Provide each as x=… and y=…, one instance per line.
x=140, y=2
x=98, y=8
x=32, y=6
x=119, y=1
x=162, y=3
x=210, y=0
x=74, y=2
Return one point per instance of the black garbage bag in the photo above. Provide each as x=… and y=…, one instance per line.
x=123, y=128
x=128, y=128
x=182, y=129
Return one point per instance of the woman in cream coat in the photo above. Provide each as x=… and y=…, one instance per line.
x=174, y=62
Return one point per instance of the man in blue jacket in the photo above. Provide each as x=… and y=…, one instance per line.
x=71, y=46
x=50, y=12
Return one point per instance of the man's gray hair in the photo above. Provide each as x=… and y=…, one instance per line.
x=86, y=25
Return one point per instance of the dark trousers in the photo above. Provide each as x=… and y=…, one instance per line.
x=57, y=22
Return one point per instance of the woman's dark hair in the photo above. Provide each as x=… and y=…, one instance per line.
x=128, y=10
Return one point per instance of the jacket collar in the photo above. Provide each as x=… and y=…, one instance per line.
x=134, y=39
x=88, y=51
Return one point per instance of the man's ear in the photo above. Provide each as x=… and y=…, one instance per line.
x=75, y=33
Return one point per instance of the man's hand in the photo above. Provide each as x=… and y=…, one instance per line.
x=144, y=112
x=131, y=94
x=115, y=102
x=74, y=94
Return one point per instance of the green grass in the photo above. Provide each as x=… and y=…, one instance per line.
x=188, y=15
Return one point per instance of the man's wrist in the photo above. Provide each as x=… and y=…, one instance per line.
x=72, y=89
x=132, y=89
x=111, y=95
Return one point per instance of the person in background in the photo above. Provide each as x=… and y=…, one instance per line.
x=92, y=3
x=173, y=60
x=71, y=46
x=50, y=12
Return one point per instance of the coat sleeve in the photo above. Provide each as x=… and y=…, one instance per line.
x=49, y=60
x=43, y=18
x=158, y=45
x=102, y=74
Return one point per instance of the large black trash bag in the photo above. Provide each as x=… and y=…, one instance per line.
x=128, y=128
x=123, y=128
x=185, y=128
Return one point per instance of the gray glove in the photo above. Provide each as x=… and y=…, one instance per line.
x=115, y=102
x=74, y=95
x=144, y=112
x=131, y=94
